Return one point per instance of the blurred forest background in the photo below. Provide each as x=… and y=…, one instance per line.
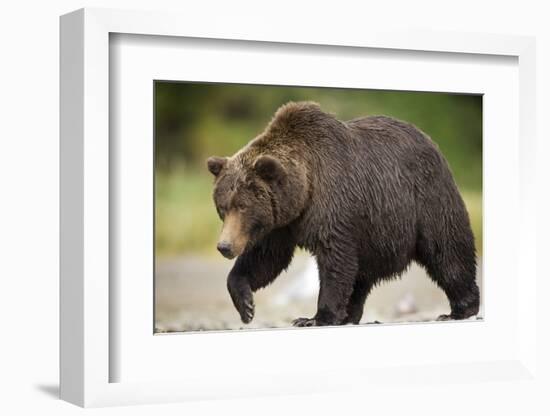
x=194, y=121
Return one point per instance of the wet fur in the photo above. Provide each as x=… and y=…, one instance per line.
x=366, y=197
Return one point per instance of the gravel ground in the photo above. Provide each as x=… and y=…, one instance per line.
x=191, y=295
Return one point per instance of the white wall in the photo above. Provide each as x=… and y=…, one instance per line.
x=29, y=184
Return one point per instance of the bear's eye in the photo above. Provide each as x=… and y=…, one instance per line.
x=256, y=227
x=240, y=207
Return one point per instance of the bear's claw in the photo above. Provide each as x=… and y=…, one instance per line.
x=248, y=311
x=303, y=322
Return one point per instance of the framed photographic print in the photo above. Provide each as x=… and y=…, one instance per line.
x=280, y=213
x=303, y=184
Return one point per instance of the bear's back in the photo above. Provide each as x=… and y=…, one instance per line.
x=395, y=135
x=389, y=149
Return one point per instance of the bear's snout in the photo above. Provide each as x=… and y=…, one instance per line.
x=232, y=240
x=226, y=249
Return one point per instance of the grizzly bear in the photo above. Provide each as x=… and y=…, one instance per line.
x=366, y=197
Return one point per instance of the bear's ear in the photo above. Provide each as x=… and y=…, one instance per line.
x=215, y=164
x=269, y=168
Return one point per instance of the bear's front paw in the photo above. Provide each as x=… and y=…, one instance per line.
x=246, y=309
x=302, y=322
x=242, y=298
x=244, y=303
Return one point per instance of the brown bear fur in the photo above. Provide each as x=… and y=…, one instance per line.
x=365, y=197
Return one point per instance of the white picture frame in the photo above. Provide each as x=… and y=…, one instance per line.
x=88, y=305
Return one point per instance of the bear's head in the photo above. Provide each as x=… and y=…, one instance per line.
x=254, y=194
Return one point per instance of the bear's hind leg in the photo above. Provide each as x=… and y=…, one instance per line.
x=463, y=306
x=458, y=281
x=447, y=251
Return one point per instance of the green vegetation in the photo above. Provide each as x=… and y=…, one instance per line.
x=186, y=220
x=194, y=121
